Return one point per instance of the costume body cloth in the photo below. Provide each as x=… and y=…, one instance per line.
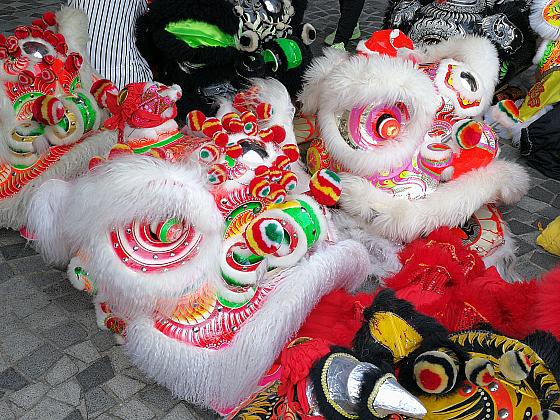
x=112, y=45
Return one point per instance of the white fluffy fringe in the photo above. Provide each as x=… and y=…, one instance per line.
x=13, y=211
x=221, y=379
x=451, y=204
x=142, y=189
x=338, y=82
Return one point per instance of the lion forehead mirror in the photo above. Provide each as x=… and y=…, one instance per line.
x=35, y=49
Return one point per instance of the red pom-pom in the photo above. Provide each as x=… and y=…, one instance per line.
x=36, y=31
x=292, y=151
x=262, y=171
x=196, y=120
x=22, y=32
x=248, y=116
x=217, y=174
x=467, y=133
x=211, y=126
x=3, y=53
x=289, y=181
x=235, y=125
x=267, y=135
x=263, y=111
x=234, y=151
x=282, y=161
x=325, y=186
x=275, y=175
x=48, y=60
x=48, y=76
x=259, y=187
x=208, y=154
x=62, y=48
x=264, y=236
x=26, y=77
x=220, y=138
x=227, y=118
x=48, y=110
x=73, y=63
x=39, y=23
x=279, y=134
x=12, y=44
x=49, y=18
x=60, y=38
x=101, y=89
x=277, y=194
x=50, y=37
x=2, y=40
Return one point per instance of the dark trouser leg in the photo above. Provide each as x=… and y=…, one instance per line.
x=350, y=11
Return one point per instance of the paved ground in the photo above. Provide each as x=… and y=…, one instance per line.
x=56, y=364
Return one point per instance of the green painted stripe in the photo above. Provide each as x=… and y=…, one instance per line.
x=160, y=144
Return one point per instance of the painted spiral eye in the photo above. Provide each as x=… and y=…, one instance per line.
x=369, y=126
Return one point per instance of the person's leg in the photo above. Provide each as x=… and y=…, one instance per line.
x=350, y=11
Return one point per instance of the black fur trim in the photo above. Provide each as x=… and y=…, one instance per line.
x=548, y=348
x=300, y=7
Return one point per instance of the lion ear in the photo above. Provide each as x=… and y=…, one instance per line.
x=314, y=77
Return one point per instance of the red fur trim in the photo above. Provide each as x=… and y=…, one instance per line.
x=337, y=318
x=546, y=314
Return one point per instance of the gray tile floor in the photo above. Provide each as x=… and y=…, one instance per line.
x=56, y=364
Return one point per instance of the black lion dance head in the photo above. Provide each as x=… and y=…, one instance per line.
x=505, y=23
x=214, y=47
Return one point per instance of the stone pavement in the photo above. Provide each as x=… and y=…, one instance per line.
x=56, y=364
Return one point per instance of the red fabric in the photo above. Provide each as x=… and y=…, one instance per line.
x=450, y=283
x=334, y=321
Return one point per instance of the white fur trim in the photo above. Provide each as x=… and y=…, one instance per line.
x=450, y=205
x=315, y=75
x=13, y=211
x=476, y=52
x=504, y=258
x=114, y=194
x=222, y=378
x=363, y=80
x=73, y=24
x=383, y=253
